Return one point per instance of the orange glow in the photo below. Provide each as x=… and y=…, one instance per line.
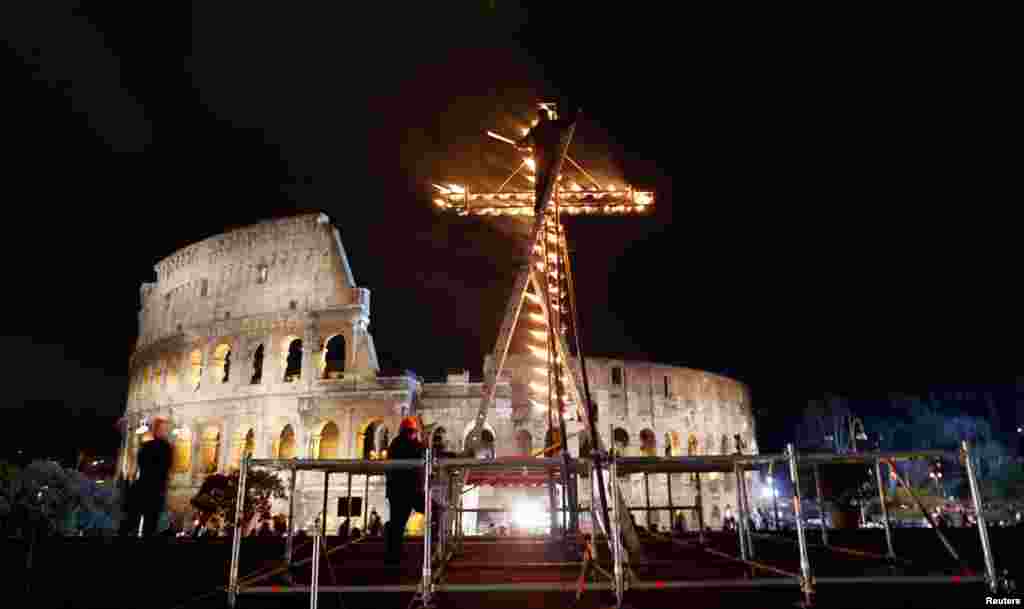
x=457, y=189
x=537, y=317
x=531, y=164
x=443, y=190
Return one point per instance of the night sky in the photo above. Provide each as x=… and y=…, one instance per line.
x=834, y=210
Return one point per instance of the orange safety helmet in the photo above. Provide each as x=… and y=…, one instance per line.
x=409, y=423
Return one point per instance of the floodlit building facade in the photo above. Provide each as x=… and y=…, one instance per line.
x=257, y=341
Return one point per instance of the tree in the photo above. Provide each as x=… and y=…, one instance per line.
x=44, y=498
x=218, y=495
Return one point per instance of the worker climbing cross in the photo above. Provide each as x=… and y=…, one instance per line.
x=545, y=279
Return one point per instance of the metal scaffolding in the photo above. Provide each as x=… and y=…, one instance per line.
x=450, y=473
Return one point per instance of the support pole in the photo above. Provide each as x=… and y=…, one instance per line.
x=647, y=500
x=616, y=529
x=821, y=505
x=366, y=503
x=986, y=548
x=323, y=516
x=236, y=543
x=741, y=513
x=806, y=578
x=290, y=542
x=427, y=584
x=928, y=516
x=671, y=510
x=700, y=511
x=348, y=510
x=314, y=584
x=746, y=507
x=775, y=503
x=885, y=509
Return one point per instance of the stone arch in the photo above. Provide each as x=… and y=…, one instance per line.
x=469, y=427
x=487, y=449
x=370, y=437
x=284, y=445
x=292, y=355
x=620, y=440
x=257, y=366
x=524, y=443
x=648, y=443
x=195, y=360
x=586, y=448
x=333, y=361
x=244, y=444
x=182, y=451
x=692, y=445
x=675, y=444
x=329, y=441
x=439, y=439
x=222, y=363
x=157, y=376
x=209, y=450
x=725, y=445
x=709, y=445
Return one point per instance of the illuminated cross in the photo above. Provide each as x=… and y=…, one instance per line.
x=545, y=280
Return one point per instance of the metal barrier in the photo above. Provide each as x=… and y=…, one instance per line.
x=449, y=542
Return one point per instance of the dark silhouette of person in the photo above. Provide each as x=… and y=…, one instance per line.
x=404, y=488
x=147, y=497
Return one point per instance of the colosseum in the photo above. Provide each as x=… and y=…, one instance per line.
x=257, y=341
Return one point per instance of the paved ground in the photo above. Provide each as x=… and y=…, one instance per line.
x=162, y=575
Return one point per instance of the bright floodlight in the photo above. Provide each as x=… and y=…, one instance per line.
x=767, y=492
x=528, y=515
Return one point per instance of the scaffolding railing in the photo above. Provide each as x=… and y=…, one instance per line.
x=450, y=472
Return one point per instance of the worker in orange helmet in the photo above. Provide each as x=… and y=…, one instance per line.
x=405, y=491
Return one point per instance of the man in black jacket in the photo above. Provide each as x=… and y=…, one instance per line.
x=147, y=497
x=404, y=487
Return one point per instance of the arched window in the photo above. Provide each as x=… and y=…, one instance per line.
x=222, y=362
x=157, y=377
x=328, y=441
x=439, y=441
x=210, y=447
x=524, y=443
x=286, y=443
x=369, y=441
x=195, y=369
x=648, y=443
x=692, y=446
x=586, y=448
x=293, y=363
x=257, y=366
x=249, y=448
x=183, y=451
x=620, y=437
x=244, y=445
x=486, y=450
x=334, y=357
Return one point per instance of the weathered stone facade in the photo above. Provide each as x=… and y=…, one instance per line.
x=258, y=340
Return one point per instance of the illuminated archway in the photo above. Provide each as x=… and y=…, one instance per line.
x=183, y=451
x=222, y=363
x=195, y=369
x=328, y=441
x=210, y=450
x=286, y=443
x=292, y=359
x=648, y=443
x=333, y=362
